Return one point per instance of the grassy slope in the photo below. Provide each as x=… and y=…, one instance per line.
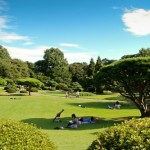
x=40, y=110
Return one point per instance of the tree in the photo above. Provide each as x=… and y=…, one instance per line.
x=30, y=82
x=144, y=52
x=3, y=81
x=99, y=64
x=76, y=86
x=56, y=66
x=91, y=68
x=4, y=53
x=78, y=71
x=13, y=68
x=131, y=78
x=31, y=67
x=106, y=61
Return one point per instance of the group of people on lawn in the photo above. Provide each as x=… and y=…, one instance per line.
x=68, y=94
x=76, y=122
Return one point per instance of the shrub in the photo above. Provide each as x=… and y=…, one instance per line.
x=34, y=89
x=86, y=94
x=23, y=91
x=18, y=135
x=129, y=135
x=62, y=86
x=11, y=90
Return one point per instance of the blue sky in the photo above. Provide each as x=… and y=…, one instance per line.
x=81, y=29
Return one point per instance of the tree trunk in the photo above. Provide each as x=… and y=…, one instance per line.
x=145, y=113
x=30, y=90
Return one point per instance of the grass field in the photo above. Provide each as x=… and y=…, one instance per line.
x=41, y=109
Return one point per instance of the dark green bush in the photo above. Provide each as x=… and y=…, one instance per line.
x=34, y=89
x=16, y=135
x=86, y=94
x=62, y=86
x=11, y=90
x=23, y=91
x=129, y=135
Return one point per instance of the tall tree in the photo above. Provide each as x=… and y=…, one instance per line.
x=91, y=68
x=78, y=71
x=31, y=67
x=99, y=64
x=56, y=66
x=131, y=78
x=144, y=52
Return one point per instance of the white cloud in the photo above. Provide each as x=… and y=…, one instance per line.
x=28, y=43
x=31, y=55
x=3, y=22
x=78, y=57
x=10, y=37
x=69, y=45
x=7, y=36
x=137, y=21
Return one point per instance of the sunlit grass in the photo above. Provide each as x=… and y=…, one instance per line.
x=41, y=109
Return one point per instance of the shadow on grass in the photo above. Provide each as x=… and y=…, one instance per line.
x=48, y=124
x=103, y=104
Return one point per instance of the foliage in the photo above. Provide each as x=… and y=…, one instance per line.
x=86, y=94
x=34, y=89
x=10, y=88
x=75, y=86
x=142, y=53
x=129, y=135
x=106, y=61
x=30, y=82
x=91, y=68
x=131, y=78
x=55, y=66
x=18, y=135
x=4, y=53
x=31, y=67
x=62, y=86
x=3, y=81
x=13, y=68
x=78, y=71
x=23, y=91
x=98, y=64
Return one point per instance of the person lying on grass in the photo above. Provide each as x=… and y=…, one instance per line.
x=88, y=120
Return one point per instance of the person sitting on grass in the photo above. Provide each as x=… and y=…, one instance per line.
x=74, y=123
x=57, y=117
x=116, y=106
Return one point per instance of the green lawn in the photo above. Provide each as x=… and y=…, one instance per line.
x=41, y=109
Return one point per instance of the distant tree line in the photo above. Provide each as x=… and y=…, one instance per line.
x=55, y=72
